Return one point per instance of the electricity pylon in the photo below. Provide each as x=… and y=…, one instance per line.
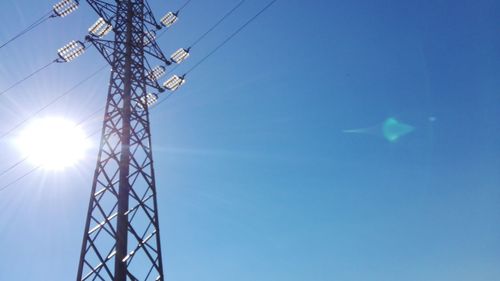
x=122, y=237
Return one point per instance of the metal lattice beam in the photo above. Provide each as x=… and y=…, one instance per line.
x=122, y=238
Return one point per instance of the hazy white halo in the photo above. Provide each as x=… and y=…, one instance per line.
x=53, y=143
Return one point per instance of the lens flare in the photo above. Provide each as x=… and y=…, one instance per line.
x=53, y=143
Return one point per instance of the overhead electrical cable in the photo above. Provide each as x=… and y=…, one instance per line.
x=53, y=101
x=61, y=9
x=19, y=178
x=184, y=5
x=212, y=28
x=66, y=54
x=176, y=14
x=229, y=38
x=13, y=166
x=199, y=39
x=217, y=23
x=31, y=170
x=38, y=22
x=87, y=118
x=26, y=78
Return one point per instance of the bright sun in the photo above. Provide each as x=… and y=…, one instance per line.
x=53, y=143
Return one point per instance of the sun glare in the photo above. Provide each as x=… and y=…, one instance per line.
x=53, y=143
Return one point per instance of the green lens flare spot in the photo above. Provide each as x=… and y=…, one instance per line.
x=392, y=129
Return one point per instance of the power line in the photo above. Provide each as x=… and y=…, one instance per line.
x=176, y=13
x=13, y=166
x=191, y=69
x=39, y=21
x=69, y=91
x=231, y=36
x=32, y=169
x=67, y=53
x=61, y=9
x=36, y=23
x=163, y=100
x=27, y=77
x=217, y=23
x=183, y=6
x=200, y=38
x=38, y=167
x=51, y=14
x=223, y=42
x=74, y=49
x=19, y=178
x=222, y=19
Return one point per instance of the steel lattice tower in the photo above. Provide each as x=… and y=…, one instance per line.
x=122, y=238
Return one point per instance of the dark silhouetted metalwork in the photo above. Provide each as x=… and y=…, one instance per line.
x=122, y=237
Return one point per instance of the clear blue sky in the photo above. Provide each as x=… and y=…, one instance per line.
x=256, y=178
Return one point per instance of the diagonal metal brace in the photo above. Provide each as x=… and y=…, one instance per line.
x=105, y=10
x=149, y=17
x=105, y=47
x=155, y=51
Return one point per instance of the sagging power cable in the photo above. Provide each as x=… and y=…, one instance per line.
x=229, y=38
x=61, y=9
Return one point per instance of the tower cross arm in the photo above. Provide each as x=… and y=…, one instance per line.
x=149, y=16
x=105, y=10
x=154, y=50
x=104, y=47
